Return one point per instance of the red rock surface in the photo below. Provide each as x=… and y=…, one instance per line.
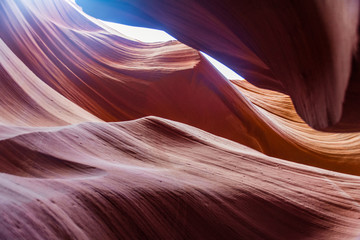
x=306, y=49
x=80, y=158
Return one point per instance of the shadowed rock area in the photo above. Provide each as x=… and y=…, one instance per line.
x=305, y=49
x=104, y=137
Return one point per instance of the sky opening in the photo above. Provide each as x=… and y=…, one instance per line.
x=152, y=35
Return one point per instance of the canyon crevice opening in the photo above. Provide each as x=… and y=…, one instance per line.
x=104, y=136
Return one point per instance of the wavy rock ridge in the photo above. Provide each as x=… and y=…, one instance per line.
x=306, y=49
x=77, y=142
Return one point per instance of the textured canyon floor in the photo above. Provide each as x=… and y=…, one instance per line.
x=105, y=137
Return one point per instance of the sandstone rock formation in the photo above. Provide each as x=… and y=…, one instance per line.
x=306, y=49
x=104, y=137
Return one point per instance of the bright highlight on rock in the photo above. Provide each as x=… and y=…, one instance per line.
x=153, y=35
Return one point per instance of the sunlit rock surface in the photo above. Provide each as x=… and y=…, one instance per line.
x=306, y=49
x=104, y=137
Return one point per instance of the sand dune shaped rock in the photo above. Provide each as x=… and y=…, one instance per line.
x=161, y=179
x=215, y=160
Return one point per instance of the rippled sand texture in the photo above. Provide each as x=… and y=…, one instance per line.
x=104, y=137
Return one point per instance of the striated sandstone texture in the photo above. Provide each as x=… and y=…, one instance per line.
x=306, y=49
x=105, y=137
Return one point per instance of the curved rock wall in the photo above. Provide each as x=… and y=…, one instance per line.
x=105, y=137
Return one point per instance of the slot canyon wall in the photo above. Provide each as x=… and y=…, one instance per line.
x=305, y=49
x=105, y=137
